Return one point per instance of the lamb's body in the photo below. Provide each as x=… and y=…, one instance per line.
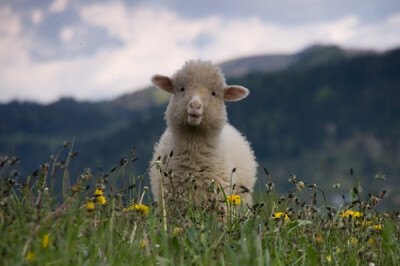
x=206, y=150
x=206, y=159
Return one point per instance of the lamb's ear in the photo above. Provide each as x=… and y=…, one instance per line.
x=235, y=93
x=163, y=82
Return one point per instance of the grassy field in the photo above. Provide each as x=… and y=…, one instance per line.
x=109, y=219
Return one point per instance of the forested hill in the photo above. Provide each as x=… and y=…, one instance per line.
x=318, y=114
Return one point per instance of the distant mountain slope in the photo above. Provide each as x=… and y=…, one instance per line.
x=260, y=64
x=294, y=109
x=312, y=56
x=139, y=100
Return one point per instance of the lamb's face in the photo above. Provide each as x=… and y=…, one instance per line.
x=198, y=102
x=199, y=92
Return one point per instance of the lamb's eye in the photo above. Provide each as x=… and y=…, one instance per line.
x=182, y=88
x=213, y=93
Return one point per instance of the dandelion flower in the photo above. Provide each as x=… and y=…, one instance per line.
x=90, y=206
x=366, y=223
x=30, y=256
x=234, y=199
x=377, y=226
x=45, y=240
x=370, y=240
x=98, y=192
x=143, y=243
x=351, y=213
x=101, y=200
x=176, y=231
x=354, y=241
x=329, y=258
x=141, y=208
x=336, y=250
x=278, y=215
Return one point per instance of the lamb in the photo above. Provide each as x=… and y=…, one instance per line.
x=200, y=148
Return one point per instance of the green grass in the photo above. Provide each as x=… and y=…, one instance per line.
x=74, y=227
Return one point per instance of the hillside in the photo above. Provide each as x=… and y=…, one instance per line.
x=317, y=114
x=311, y=57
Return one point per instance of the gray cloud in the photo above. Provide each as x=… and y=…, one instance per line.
x=286, y=12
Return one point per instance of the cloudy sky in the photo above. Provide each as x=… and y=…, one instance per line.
x=95, y=50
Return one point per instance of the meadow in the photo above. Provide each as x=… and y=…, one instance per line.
x=109, y=218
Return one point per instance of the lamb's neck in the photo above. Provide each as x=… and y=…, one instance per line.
x=194, y=140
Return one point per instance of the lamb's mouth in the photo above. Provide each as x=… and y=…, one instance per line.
x=194, y=119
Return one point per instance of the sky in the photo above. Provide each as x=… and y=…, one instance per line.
x=99, y=50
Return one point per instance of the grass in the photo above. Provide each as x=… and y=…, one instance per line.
x=109, y=219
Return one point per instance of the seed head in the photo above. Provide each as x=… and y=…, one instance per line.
x=292, y=179
x=270, y=185
x=380, y=176
x=300, y=185
x=374, y=200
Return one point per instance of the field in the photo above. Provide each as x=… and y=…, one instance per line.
x=109, y=219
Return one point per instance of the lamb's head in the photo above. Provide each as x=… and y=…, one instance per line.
x=198, y=93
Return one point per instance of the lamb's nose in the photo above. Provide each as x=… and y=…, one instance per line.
x=195, y=105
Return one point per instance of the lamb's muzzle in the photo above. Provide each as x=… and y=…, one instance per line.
x=195, y=111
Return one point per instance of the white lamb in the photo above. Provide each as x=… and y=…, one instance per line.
x=205, y=146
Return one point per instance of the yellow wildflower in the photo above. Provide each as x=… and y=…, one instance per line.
x=354, y=241
x=370, y=240
x=101, y=200
x=336, y=249
x=177, y=230
x=365, y=223
x=377, y=226
x=329, y=258
x=45, y=240
x=351, y=213
x=90, y=206
x=278, y=215
x=234, y=199
x=143, y=243
x=143, y=209
x=30, y=256
x=98, y=192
